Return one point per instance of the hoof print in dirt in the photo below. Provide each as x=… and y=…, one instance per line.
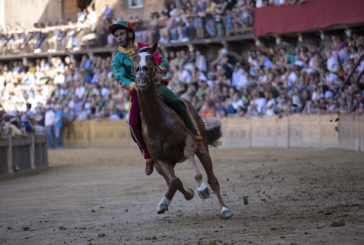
x=337, y=224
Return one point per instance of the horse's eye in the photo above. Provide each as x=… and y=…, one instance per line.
x=138, y=69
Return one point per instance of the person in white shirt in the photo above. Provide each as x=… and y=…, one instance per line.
x=59, y=78
x=332, y=62
x=260, y=103
x=184, y=75
x=48, y=122
x=239, y=78
x=80, y=91
x=201, y=62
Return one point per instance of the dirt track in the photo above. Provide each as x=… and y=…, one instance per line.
x=101, y=196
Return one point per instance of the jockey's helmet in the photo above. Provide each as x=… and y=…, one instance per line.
x=122, y=24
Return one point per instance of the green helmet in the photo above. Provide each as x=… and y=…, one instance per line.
x=121, y=25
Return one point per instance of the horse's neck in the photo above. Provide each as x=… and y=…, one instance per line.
x=151, y=106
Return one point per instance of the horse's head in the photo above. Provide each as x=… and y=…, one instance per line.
x=145, y=67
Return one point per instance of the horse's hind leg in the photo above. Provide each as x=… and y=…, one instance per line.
x=214, y=183
x=174, y=184
x=202, y=189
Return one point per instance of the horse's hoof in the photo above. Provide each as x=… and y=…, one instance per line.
x=191, y=195
x=163, y=205
x=204, y=194
x=162, y=208
x=226, y=213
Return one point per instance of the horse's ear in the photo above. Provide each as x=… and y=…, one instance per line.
x=155, y=47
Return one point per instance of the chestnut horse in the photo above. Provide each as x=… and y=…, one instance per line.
x=167, y=138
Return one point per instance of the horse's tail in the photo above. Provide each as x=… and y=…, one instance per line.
x=213, y=131
x=212, y=126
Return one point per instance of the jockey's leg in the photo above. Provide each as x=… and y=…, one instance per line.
x=180, y=107
x=136, y=128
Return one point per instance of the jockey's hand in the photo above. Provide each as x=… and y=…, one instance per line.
x=131, y=86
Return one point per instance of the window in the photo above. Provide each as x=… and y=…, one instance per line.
x=135, y=4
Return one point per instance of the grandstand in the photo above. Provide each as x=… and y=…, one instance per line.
x=227, y=57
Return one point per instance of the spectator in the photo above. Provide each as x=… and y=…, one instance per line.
x=27, y=119
x=153, y=32
x=107, y=14
x=200, y=13
x=49, y=124
x=239, y=78
x=57, y=126
x=39, y=120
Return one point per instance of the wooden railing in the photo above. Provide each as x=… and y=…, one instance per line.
x=18, y=154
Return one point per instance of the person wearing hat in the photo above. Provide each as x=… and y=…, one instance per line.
x=121, y=65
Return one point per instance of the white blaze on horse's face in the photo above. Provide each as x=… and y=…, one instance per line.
x=143, y=68
x=143, y=60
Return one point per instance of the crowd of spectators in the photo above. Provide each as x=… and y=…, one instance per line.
x=50, y=95
x=274, y=81
x=180, y=21
x=183, y=20
x=81, y=90
x=50, y=37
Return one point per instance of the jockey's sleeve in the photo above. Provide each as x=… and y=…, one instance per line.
x=120, y=73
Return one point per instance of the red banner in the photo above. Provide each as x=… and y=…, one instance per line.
x=306, y=16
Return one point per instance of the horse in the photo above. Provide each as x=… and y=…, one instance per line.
x=167, y=138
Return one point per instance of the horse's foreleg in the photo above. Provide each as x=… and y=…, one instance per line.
x=214, y=183
x=174, y=184
x=202, y=189
x=166, y=199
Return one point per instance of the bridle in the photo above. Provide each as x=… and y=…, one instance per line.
x=143, y=71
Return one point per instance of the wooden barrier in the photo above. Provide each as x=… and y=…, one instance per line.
x=17, y=154
x=316, y=131
x=97, y=134
x=351, y=131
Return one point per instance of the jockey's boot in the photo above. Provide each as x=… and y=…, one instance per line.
x=149, y=167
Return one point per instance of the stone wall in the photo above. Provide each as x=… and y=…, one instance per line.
x=28, y=12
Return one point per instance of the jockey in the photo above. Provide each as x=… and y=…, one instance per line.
x=121, y=65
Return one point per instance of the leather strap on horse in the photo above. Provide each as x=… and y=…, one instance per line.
x=197, y=137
